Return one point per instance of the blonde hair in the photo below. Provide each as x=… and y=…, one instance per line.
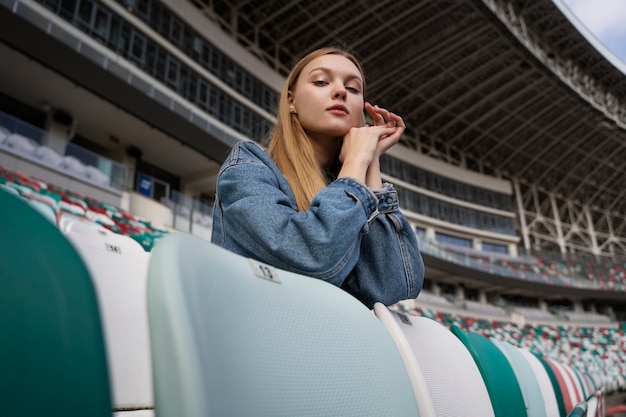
x=289, y=146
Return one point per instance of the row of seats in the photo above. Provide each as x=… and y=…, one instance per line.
x=60, y=205
x=94, y=325
x=52, y=201
x=510, y=311
x=599, y=351
x=610, y=272
x=611, y=278
x=23, y=146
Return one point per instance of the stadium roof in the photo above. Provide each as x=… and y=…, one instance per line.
x=509, y=88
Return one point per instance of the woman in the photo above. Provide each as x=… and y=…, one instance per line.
x=315, y=203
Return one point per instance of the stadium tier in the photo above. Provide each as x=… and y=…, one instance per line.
x=118, y=270
x=190, y=329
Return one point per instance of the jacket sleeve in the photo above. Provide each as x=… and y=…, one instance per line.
x=322, y=242
x=389, y=259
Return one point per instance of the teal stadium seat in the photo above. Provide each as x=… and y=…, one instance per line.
x=51, y=344
x=234, y=337
x=531, y=390
x=502, y=385
x=579, y=410
x=559, y=394
x=445, y=378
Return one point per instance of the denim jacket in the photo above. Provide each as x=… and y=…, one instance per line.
x=351, y=236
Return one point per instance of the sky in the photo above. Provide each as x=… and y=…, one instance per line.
x=604, y=21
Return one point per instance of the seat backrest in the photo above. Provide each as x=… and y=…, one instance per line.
x=565, y=384
x=119, y=269
x=531, y=391
x=51, y=342
x=234, y=337
x=544, y=382
x=592, y=407
x=444, y=376
x=502, y=385
x=579, y=410
x=556, y=384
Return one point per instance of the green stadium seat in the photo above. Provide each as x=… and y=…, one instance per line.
x=51, y=344
x=500, y=379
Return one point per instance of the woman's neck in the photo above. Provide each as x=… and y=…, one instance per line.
x=325, y=150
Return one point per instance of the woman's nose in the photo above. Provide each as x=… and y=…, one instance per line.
x=340, y=92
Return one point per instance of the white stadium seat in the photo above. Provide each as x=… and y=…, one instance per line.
x=234, y=337
x=118, y=266
x=444, y=376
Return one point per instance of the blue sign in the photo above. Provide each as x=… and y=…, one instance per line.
x=145, y=185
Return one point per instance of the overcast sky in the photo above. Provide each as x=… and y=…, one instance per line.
x=604, y=19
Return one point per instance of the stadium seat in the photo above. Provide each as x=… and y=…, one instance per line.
x=445, y=378
x=559, y=394
x=234, y=337
x=54, y=361
x=73, y=165
x=20, y=144
x=49, y=156
x=543, y=380
x=502, y=385
x=579, y=410
x=119, y=269
x=531, y=390
x=44, y=209
x=567, y=386
x=592, y=407
x=97, y=176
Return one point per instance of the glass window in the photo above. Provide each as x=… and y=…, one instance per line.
x=494, y=247
x=453, y=240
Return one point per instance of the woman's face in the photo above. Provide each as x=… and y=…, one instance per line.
x=328, y=97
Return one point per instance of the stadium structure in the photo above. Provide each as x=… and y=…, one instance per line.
x=115, y=116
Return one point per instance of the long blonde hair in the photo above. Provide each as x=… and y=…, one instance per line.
x=289, y=146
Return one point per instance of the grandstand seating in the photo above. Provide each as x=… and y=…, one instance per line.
x=583, y=362
x=606, y=275
x=58, y=203
x=28, y=149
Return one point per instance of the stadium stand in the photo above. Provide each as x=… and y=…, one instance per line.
x=117, y=265
x=520, y=216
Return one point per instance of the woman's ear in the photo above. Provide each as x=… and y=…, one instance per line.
x=292, y=104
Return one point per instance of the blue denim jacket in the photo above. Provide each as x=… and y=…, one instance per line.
x=351, y=236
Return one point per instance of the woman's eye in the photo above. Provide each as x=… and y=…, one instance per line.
x=320, y=82
x=353, y=90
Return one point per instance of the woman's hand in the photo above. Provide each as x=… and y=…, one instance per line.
x=360, y=149
x=363, y=146
x=383, y=117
